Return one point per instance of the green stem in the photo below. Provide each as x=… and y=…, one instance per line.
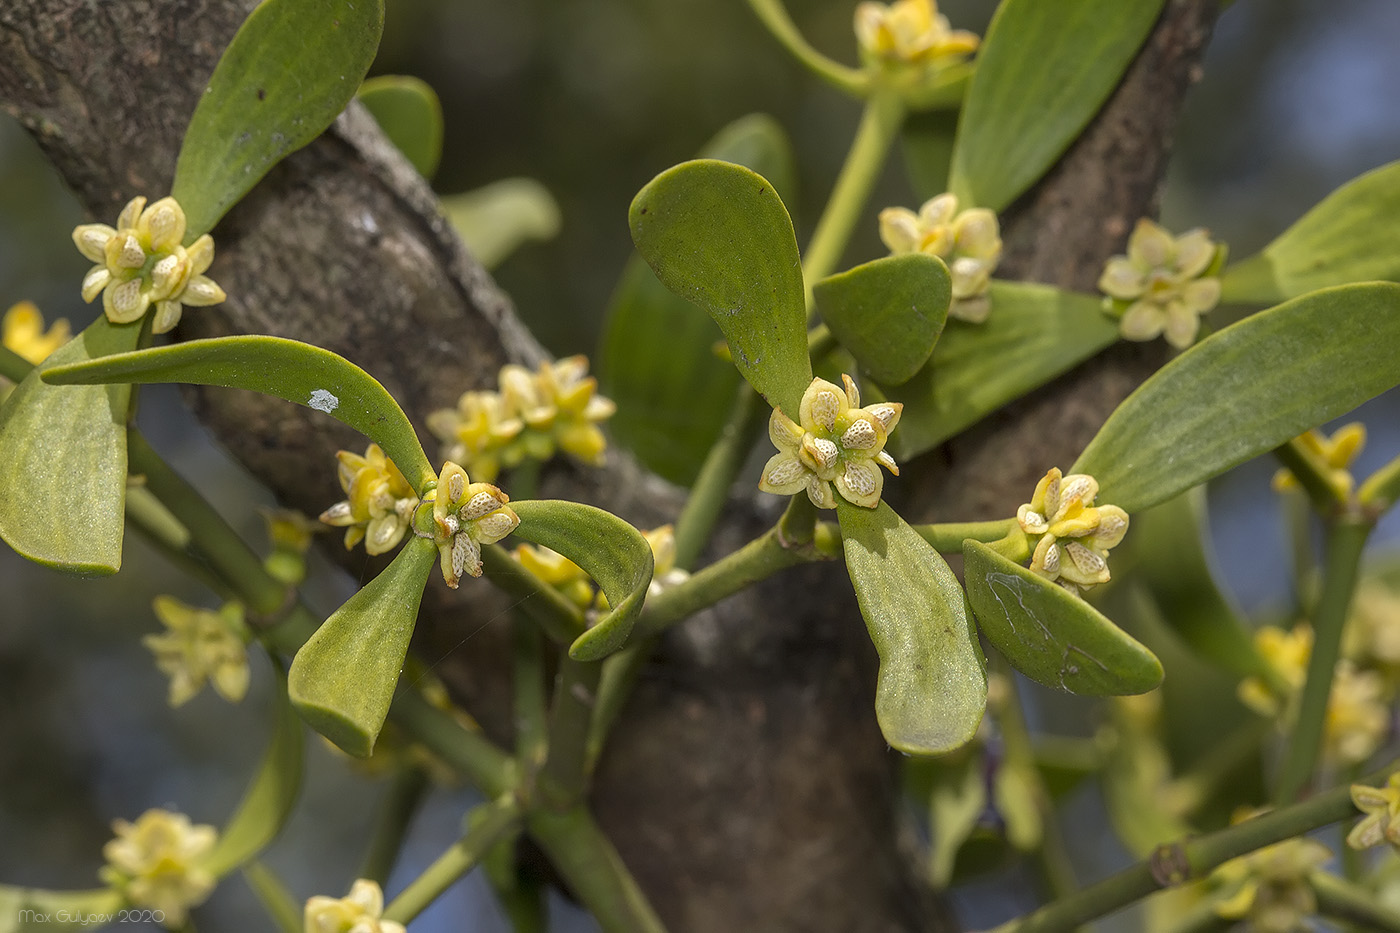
x=948, y=538
x=755, y=561
x=528, y=688
x=488, y=768
x=522, y=898
x=564, y=777
x=776, y=19
x=879, y=125
x=710, y=492
x=1339, y=899
x=1179, y=862
x=620, y=673
x=274, y=896
x=210, y=535
x=593, y=870
x=1346, y=537
x=485, y=825
x=407, y=789
x=153, y=522
x=1312, y=474
x=1298, y=516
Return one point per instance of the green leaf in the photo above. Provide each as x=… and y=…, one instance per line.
x=1245, y=390
x=497, y=219
x=30, y=910
x=1033, y=334
x=1168, y=544
x=63, y=456
x=1043, y=71
x=287, y=74
x=657, y=356
x=717, y=234
x=343, y=679
x=1349, y=237
x=611, y=551
x=288, y=369
x=932, y=686
x=888, y=312
x=408, y=112
x=1050, y=635
x=269, y=799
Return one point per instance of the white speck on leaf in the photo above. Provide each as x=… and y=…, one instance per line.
x=321, y=400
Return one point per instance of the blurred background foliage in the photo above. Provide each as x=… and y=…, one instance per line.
x=592, y=99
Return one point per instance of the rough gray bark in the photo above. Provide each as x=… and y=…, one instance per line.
x=748, y=786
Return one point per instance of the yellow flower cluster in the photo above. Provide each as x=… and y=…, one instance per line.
x=200, y=645
x=155, y=864
x=1337, y=453
x=467, y=515
x=379, y=502
x=1270, y=889
x=141, y=262
x=574, y=583
x=1382, y=808
x=530, y=416
x=360, y=911
x=1358, y=711
x=911, y=32
x=1164, y=284
x=968, y=241
x=1075, y=536
x=22, y=332
x=836, y=443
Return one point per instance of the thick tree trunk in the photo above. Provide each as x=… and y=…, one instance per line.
x=748, y=786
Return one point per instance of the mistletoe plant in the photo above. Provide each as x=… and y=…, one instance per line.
x=1318, y=334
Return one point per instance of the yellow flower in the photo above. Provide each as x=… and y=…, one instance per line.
x=911, y=32
x=477, y=432
x=1336, y=452
x=22, y=331
x=155, y=863
x=558, y=572
x=1162, y=284
x=1270, y=889
x=665, y=573
x=1382, y=808
x=968, y=241
x=1373, y=631
x=1287, y=653
x=467, y=515
x=379, y=504
x=141, y=262
x=1063, y=508
x=200, y=645
x=836, y=442
x=1358, y=717
x=357, y=912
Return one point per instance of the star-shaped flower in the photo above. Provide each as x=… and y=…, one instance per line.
x=200, y=645
x=1270, y=887
x=155, y=863
x=1163, y=284
x=911, y=32
x=1382, y=808
x=1337, y=453
x=379, y=502
x=467, y=515
x=1075, y=536
x=141, y=262
x=835, y=442
x=360, y=911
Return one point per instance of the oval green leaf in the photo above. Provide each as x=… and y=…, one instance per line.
x=1245, y=390
x=63, y=456
x=1043, y=71
x=611, y=551
x=932, y=686
x=408, y=112
x=269, y=798
x=718, y=235
x=31, y=910
x=343, y=679
x=497, y=219
x=1050, y=635
x=1033, y=334
x=657, y=357
x=1349, y=236
x=288, y=73
x=888, y=312
x=288, y=369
